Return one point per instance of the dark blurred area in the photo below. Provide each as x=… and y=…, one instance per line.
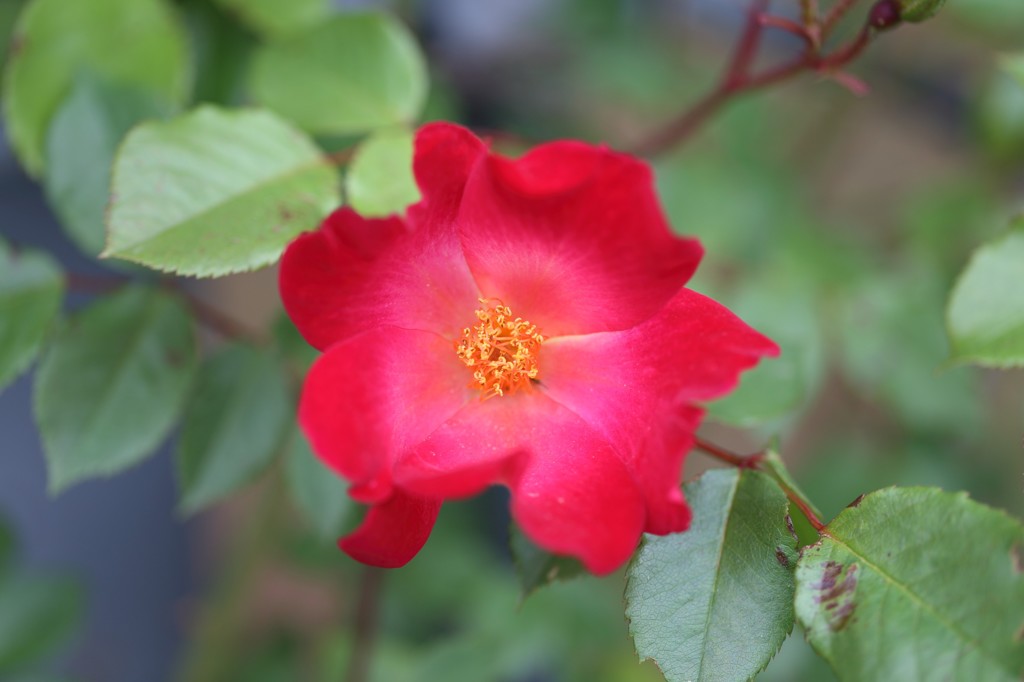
x=835, y=223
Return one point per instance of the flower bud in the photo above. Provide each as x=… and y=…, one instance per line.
x=919, y=10
x=885, y=14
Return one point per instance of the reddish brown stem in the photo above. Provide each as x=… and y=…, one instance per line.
x=739, y=79
x=835, y=15
x=754, y=462
x=731, y=458
x=803, y=505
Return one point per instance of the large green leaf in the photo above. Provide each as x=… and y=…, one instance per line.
x=353, y=74
x=986, y=310
x=380, y=180
x=536, y=567
x=112, y=384
x=36, y=615
x=30, y=294
x=134, y=42
x=275, y=18
x=85, y=133
x=215, y=191
x=319, y=493
x=916, y=584
x=716, y=602
x=235, y=422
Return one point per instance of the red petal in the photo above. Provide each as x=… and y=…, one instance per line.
x=570, y=492
x=470, y=451
x=574, y=496
x=572, y=238
x=392, y=532
x=634, y=386
x=375, y=395
x=443, y=159
x=355, y=274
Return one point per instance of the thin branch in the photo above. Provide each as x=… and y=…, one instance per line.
x=754, y=461
x=730, y=458
x=365, y=626
x=738, y=78
x=835, y=15
x=746, y=50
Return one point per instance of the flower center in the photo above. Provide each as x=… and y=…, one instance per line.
x=501, y=350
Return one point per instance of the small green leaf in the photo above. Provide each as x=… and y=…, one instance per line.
x=716, y=602
x=215, y=191
x=85, y=133
x=112, y=384
x=36, y=615
x=358, y=73
x=380, y=180
x=916, y=11
x=916, y=584
x=986, y=310
x=319, y=493
x=536, y=567
x=276, y=18
x=235, y=422
x=30, y=293
x=999, y=110
x=130, y=42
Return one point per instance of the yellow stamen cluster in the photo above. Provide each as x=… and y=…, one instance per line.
x=501, y=351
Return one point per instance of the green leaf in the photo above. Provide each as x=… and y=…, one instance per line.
x=112, y=384
x=776, y=468
x=215, y=191
x=83, y=137
x=716, y=602
x=999, y=109
x=380, y=180
x=536, y=567
x=319, y=493
x=235, y=422
x=31, y=288
x=986, y=310
x=916, y=584
x=276, y=18
x=131, y=42
x=36, y=615
x=354, y=74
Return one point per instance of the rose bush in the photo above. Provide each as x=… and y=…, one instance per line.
x=525, y=324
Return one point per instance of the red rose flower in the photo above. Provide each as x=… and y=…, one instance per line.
x=524, y=324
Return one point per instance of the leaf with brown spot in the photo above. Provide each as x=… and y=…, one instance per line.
x=913, y=584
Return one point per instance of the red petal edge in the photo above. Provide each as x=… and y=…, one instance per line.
x=393, y=532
